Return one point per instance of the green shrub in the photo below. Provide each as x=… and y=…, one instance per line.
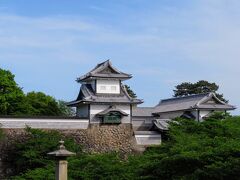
x=206, y=150
x=32, y=154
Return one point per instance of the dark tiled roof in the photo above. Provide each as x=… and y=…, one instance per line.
x=104, y=70
x=191, y=102
x=112, y=109
x=142, y=111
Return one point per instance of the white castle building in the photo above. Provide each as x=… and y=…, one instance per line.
x=103, y=99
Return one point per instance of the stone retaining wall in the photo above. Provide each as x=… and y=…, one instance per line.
x=105, y=138
x=96, y=139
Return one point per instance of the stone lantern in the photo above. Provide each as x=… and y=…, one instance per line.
x=61, y=158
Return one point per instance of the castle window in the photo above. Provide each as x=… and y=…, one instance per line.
x=113, y=88
x=103, y=88
x=108, y=86
x=112, y=118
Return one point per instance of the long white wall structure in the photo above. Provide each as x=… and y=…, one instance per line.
x=43, y=123
x=148, y=138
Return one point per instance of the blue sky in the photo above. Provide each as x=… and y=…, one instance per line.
x=47, y=44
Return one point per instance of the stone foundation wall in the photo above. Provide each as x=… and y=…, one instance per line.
x=96, y=139
x=104, y=138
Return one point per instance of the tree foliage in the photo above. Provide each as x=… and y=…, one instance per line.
x=207, y=150
x=14, y=102
x=194, y=150
x=65, y=110
x=130, y=91
x=30, y=157
x=202, y=86
x=11, y=95
x=42, y=105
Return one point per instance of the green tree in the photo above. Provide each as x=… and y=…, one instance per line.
x=65, y=110
x=42, y=105
x=12, y=100
x=206, y=150
x=130, y=91
x=202, y=86
x=29, y=158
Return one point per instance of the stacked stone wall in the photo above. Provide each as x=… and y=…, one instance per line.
x=96, y=139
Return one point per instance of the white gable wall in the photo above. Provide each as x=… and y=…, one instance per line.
x=202, y=114
x=108, y=86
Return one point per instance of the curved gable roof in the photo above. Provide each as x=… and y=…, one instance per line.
x=112, y=109
x=104, y=70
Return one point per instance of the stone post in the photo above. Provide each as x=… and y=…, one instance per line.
x=61, y=164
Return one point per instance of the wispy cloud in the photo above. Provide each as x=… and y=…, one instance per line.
x=192, y=42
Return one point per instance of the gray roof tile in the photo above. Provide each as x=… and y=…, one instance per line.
x=104, y=70
x=191, y=102
x=142, y=111
x=112, y=109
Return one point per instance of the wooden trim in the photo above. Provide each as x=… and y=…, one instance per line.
x=131, y=113
x=96, y=92
x=198, y=114
x=95, y=86
x=89, y=112
x=120, y=89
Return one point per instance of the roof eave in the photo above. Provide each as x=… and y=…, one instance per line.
x=156, y=112
x=87, y=78
x=227, y=109
x=75, y=103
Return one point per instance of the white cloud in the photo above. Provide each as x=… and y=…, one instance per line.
x=199, y=41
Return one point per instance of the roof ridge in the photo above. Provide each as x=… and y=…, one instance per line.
x=185, y=97
x=96, y=71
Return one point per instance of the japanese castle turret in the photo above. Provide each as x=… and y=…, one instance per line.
x=103, y=98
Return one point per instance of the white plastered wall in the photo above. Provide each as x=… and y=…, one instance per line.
x=108, y=86
x=202, y=113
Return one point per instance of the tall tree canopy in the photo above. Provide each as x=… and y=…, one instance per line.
x=41, y=104
x=202, y=86
x=13, y=101
x=11, y=95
